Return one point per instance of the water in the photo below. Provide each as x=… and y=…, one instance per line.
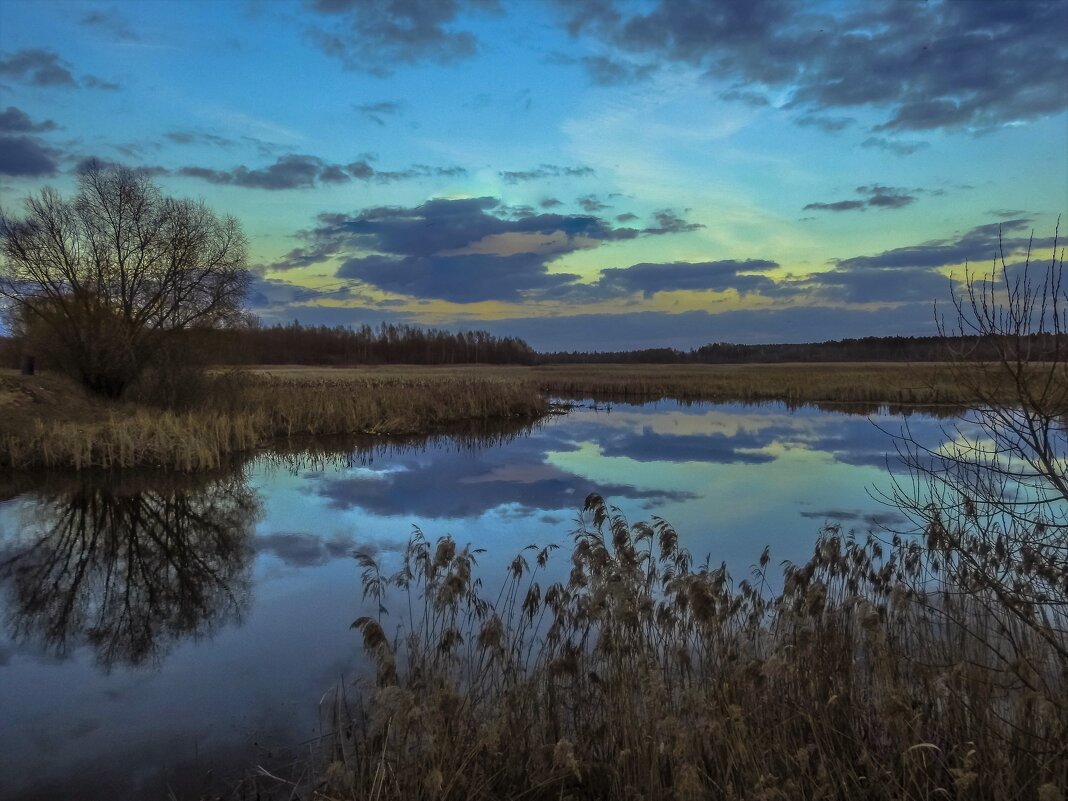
x=162, y=635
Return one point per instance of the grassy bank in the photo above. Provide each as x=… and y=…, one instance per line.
x=881, y=670
x=48, y=421
x=862, y=383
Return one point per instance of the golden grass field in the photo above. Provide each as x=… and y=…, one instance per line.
x=48, y=421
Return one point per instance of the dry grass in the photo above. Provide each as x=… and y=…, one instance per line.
x=880, y=671
x=49, y=422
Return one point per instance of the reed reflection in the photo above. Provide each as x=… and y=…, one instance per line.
x=129, y=565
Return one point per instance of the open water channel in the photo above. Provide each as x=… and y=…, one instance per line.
x=160, y=635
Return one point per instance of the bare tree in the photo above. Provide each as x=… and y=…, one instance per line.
x=992, y=498
x=109, y=275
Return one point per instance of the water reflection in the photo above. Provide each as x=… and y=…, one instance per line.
x=128, y=565
x=122, y=658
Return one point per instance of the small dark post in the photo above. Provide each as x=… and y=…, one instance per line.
x=28, y=364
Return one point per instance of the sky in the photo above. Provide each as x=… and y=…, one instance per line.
x=584, y=174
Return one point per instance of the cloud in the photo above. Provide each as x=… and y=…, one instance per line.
x=591, y=205
x=180, y=137
x=824, y=123
x=924, y=66
x=897, y=147
x=839, y=205
x=717, y=276
x=14, y=120
x=376, y=35
x=516, y=475
x=551, y=203
x=668, y=221
x=978, y=244
x=546, y=171
x=295, y=171
x=298, y=549
x=26, y=157
x=94, y=162
x=377, y=112
x=39, y=67
x=915, y=273
x=747, y=96
x=877, y=196
x=111, y=24
x=463, y=250
x=606, y=70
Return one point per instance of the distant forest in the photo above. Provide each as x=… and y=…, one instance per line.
x=403, y=344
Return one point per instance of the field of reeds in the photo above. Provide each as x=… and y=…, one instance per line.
x=866, y=384
x=882, y=669
x=50, y=422
x=47, y=421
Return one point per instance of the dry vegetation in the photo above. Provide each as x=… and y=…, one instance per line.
x=881, y=670
x=51, y=422
x=48, y=421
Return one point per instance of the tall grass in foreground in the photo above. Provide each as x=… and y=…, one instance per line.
x=877, y=672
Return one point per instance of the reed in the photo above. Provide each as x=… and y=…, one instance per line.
x=239, y=412
x=875, y=672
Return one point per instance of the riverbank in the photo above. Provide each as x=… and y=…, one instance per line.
x=48, y=421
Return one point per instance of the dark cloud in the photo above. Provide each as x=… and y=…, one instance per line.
x=376, y=35
x=591, y=205
x=377, y=112
x=304, y=550
x=824, y=123
x=462, y=279
x=546, y=171
x=747, y=96
x=839, y=205
x=607, y=71
x=977, y=245
x=514, y=475
x=668, y=221
x=14, y=120
x=914, y=273
x=716, y=276
x=95, y=162
x=111, y=24
x=551, y=203
x=37, y=67
x=180, y=137
x=715, y=448
x=26, y=157
x=465, y=250
x=972, y=65
x=874, y=520
x=295, y=171
x=897, y=147
x=92, y=82
x=626, y=216
x=876, y=196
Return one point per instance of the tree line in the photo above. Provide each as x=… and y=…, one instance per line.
x=389, y=343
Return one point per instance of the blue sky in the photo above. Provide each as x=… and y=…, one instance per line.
x=585, y=174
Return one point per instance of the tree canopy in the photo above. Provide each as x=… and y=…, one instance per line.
x=102, y=278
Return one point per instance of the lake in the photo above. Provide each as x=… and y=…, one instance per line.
x=164, y=634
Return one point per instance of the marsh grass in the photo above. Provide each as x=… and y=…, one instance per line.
x=196, y=424
x=237, y=412
x=876, y=672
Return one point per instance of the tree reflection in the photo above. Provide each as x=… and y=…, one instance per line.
x=129, y=566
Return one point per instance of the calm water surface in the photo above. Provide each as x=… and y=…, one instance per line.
x=158, y=635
